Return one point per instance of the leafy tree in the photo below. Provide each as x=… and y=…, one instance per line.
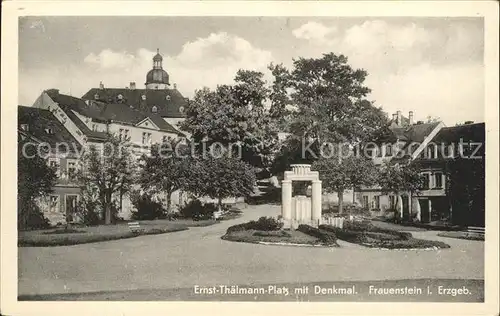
x=165, y=169
x=220, y=178
x=110, y=170
x=339, y=175
x=235, y=117
x=35, y=179
x=330, y=106
x=399, y=179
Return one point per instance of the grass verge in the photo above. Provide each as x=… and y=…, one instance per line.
x=90, y=235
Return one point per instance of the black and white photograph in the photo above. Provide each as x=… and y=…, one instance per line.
x=298, y=158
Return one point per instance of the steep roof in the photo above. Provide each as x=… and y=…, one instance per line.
x=101, y=111
x=468, y=133
x=67, y=104
x=44, y=127
x=414, y=133
x=169, y=102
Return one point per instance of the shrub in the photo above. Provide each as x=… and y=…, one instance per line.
x=197, y=211
x=411, y=243
x=326, y=237
x=263, y=224
x=147, y=209
x=30, y=216
x=88, y=212
x=356, y=236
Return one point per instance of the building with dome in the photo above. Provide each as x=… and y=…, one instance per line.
x=157, y=78
x=143, y=117
x=158, y=98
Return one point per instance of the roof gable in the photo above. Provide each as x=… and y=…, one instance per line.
x=43, y=127
x=147, y=123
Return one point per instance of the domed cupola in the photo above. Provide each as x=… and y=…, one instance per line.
x=157, y=78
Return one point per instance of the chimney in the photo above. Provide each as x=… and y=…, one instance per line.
x=398, y=113
x=410, y=117
x=101, y=86
x=175, y=85
x=395, y=117
x=132, y=85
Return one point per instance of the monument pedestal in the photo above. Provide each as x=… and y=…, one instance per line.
x=301, y=209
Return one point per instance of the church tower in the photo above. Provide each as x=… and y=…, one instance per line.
x=157, y=78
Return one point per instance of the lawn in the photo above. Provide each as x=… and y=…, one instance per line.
x=280, y=236
x=82, y=235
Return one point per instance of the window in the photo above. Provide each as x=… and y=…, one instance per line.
x=96, y=96
x=143, y=97
x=124, y=134
x=431, y=151
x=94, y=127
x=146, y=138
x=120, y=97
x=377, y=201
x=54, y=163
x=49, y=131
x=54, y=203
x=427, y=181
x=25, y=127
x=71, y=167
x=392, y=201
x=154, y=109
x=181, y=109
x=167, y=98
x=438, y=176
x=388, y=150
x=165, y=138
x=365, y=201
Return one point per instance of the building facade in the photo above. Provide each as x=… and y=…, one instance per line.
x=431, y=147
x=142, y=117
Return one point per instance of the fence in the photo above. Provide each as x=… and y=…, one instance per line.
x=334, y=221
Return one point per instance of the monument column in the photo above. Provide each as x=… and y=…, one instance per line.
x=286, y=199
x=316, y=201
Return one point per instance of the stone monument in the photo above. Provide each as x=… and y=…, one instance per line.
x=301, y=209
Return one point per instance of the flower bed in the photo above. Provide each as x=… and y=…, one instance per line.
x=268, y=230
x=462, y=235
x=366, y=234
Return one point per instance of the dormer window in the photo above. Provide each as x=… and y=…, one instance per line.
x=25, y=127
x=96, y=96
x=49, y=131
x=143, y=97
x=181, y=109
x=167, y=97
x=154, y=109
x=120, y=97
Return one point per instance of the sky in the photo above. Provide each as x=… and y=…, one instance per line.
x=432, y=66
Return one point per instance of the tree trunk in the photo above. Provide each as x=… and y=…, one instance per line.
x=340, y=194
x=169, y=201
x=107, y=210
x=220, y=205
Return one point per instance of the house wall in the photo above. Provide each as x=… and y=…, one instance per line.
x=56, y=213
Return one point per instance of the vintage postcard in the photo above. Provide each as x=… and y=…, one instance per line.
x=260, y=157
